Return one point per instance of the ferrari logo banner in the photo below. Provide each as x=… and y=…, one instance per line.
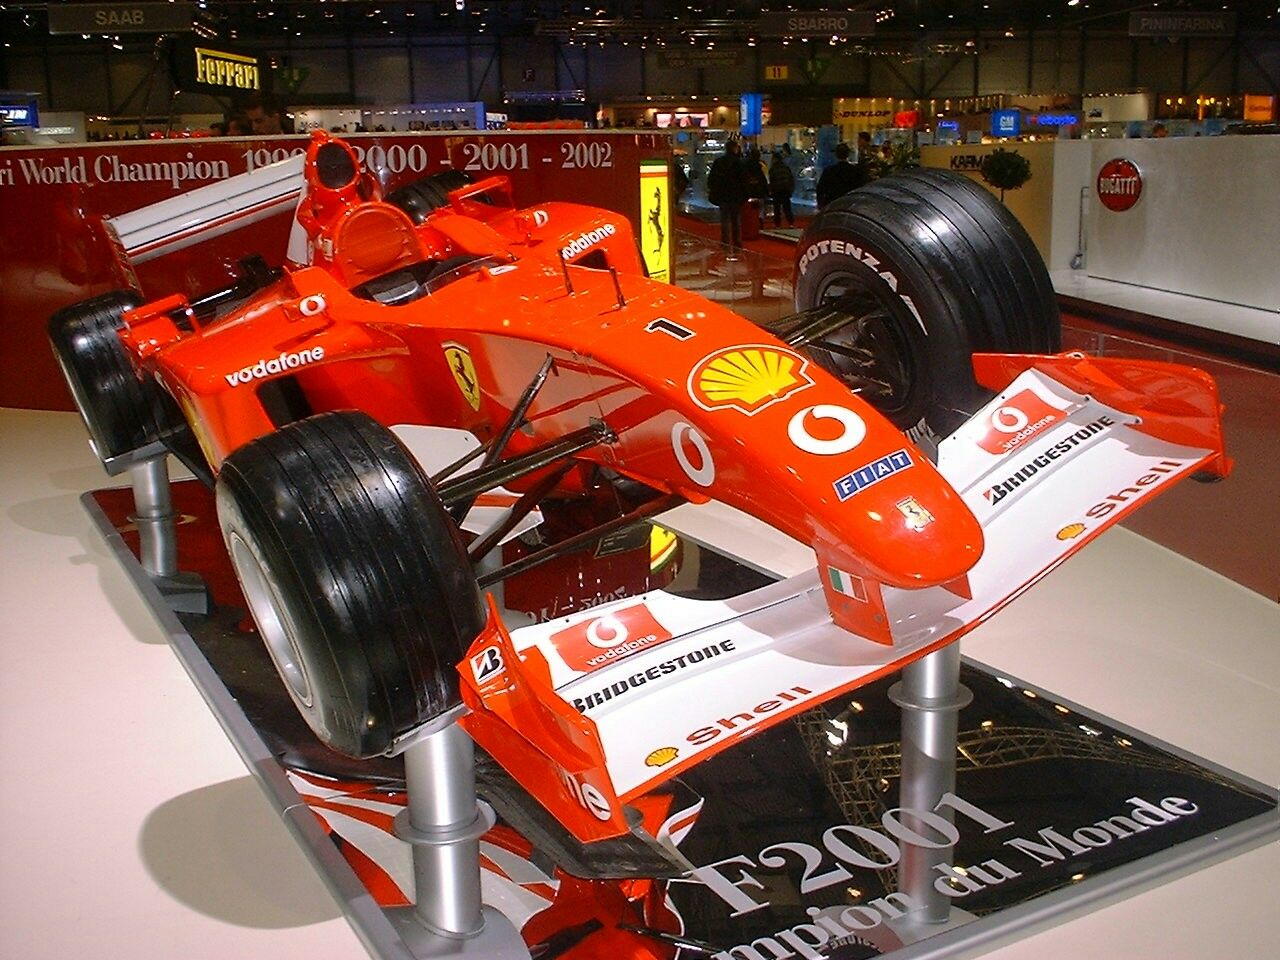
x=655, y=218
x=464, y=372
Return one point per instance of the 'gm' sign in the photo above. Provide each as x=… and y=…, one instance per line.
x=1006, y=123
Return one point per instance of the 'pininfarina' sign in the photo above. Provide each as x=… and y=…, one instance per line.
x=1182, y=23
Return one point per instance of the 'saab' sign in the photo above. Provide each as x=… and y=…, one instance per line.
x=171, y=17
x=1119, y=184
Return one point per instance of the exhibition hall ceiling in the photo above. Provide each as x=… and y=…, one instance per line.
x=656, y=21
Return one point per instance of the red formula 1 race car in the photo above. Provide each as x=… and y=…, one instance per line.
x=441, y=391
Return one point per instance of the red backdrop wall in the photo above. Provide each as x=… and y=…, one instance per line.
x=49, y=258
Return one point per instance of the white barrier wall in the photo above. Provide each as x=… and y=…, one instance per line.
x=1207, y=222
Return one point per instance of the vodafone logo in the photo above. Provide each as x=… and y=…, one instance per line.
x=842, y=431
x=609, y=638
x=607, y=631
x=585, y=241
x=1016, y=421
x=1119, y=184
x=275, y=365
x=703, y=472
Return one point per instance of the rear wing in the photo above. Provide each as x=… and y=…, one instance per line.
x=210, y=211
x=592, y=711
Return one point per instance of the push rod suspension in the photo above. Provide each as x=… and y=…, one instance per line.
x=466, y=488
x=640, y=513
x=522, y=508
x=459, y=508
x=809, y=325
x=521, y=408
x=474, y=454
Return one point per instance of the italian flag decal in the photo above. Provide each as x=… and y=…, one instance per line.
x=847, y=584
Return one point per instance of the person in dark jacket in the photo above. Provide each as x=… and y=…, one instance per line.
x=727, y=189
x=782, y=183
x=841, y=177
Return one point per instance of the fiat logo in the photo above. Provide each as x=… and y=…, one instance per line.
x=1119, y=184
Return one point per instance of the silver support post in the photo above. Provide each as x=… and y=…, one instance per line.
x=443, y=821
x=158, y=540
x=931, y=698
x=154, y=517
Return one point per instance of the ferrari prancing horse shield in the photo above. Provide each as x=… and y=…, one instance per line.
x=464, y=372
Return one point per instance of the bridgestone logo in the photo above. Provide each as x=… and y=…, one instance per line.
x=590, y=700
x=1042, y=461
x=269, y=368
x=586, y=241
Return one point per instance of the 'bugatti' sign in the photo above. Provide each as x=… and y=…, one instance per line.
x=1119, y=184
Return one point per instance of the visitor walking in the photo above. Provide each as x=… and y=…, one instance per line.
x=782, y=183
x=727, y=189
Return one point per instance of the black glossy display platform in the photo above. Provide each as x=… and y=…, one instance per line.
x=798, y=838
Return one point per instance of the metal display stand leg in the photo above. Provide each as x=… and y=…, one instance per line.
x=931, y=697
x=158, y=547
x=444, y=821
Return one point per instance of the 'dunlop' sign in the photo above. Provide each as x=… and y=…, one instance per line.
x=1119, y=184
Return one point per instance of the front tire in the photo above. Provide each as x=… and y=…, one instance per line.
x=124, y=411
x=930, y=268
x=357, y=578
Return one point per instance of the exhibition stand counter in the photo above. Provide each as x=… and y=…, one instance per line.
x=1193, y=216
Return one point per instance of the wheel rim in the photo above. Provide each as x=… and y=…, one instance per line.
x=274, y=623
x=871, y=353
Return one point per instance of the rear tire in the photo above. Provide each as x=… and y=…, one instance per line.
x=931, y=268
x=123, y=410
x=419, y=198
x=356, y=576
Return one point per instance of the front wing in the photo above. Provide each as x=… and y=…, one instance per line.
x=591, y=711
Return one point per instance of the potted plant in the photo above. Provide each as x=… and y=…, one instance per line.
x=1005, y=170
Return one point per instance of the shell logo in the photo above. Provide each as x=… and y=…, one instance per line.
x=661, y=757
x=747, y=378
x=1071, y=531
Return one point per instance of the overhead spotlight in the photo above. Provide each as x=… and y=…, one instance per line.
x=1073, y=3
x=460, y=5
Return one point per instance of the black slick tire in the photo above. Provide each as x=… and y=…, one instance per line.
x=124, y=411
x=945, y=270
x=357, y=578
x=420, y=197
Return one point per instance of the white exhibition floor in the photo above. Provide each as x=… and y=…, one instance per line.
x=134, y=831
